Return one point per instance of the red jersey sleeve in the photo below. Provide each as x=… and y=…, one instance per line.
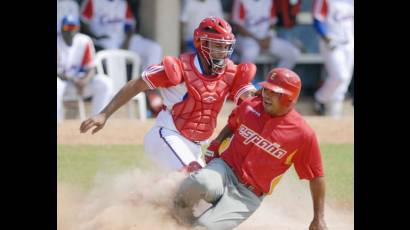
x=243, y=78
x=238, y=13
x=87, y=10
x=320, y=9
x=308, y=160
x=88, y=57
x=155, y=77
x=129, y=16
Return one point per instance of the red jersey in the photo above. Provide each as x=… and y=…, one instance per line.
x=264, y=147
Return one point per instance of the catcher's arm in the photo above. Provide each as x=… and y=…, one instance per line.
x=81, y=82
x=127, y=92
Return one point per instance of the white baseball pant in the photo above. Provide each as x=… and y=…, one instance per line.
x=169, y=150
x=232, y=202
x=284, y=50
x=99, y=88
x=339, y=65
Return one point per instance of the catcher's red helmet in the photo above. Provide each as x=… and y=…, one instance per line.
x=217, y=31
x=285, y=82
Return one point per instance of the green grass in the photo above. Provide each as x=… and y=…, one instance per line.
x=78, y=164
x=338, y=163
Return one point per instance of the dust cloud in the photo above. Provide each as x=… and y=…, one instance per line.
x=143, y=200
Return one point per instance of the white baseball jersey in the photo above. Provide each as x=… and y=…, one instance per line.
x=74, y=60
x=194, y=11
x=338, y=17
x=255, y=15
x=108, y=17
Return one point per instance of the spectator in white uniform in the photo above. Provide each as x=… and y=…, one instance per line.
x=75, y=69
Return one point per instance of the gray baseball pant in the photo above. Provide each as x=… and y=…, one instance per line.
x=232, y=202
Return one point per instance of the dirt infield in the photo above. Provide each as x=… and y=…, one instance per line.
x=124, y=131
x=120, y=130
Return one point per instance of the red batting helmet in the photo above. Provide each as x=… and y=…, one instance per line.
x=285, y=82
x=217, y=31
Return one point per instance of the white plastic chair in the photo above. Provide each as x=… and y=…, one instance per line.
x=78, y=104
x=116, y=66
x=81, y=108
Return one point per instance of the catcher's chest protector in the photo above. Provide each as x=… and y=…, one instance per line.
x=195, y=116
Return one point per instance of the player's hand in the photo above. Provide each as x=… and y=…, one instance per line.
x=330, y=43
x=125, y=45
x=97, y=121
x=62, y=77
x=79, y=85
x=318, y=224
x=80, y=82
x=264, y=43
x=212, y=151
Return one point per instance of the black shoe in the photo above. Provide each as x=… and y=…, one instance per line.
x=319, y=108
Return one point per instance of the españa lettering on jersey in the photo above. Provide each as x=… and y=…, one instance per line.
x=253, y=137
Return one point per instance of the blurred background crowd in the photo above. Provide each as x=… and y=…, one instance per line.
x=313, y=37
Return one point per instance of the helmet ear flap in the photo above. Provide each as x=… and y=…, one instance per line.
x=285, y=100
